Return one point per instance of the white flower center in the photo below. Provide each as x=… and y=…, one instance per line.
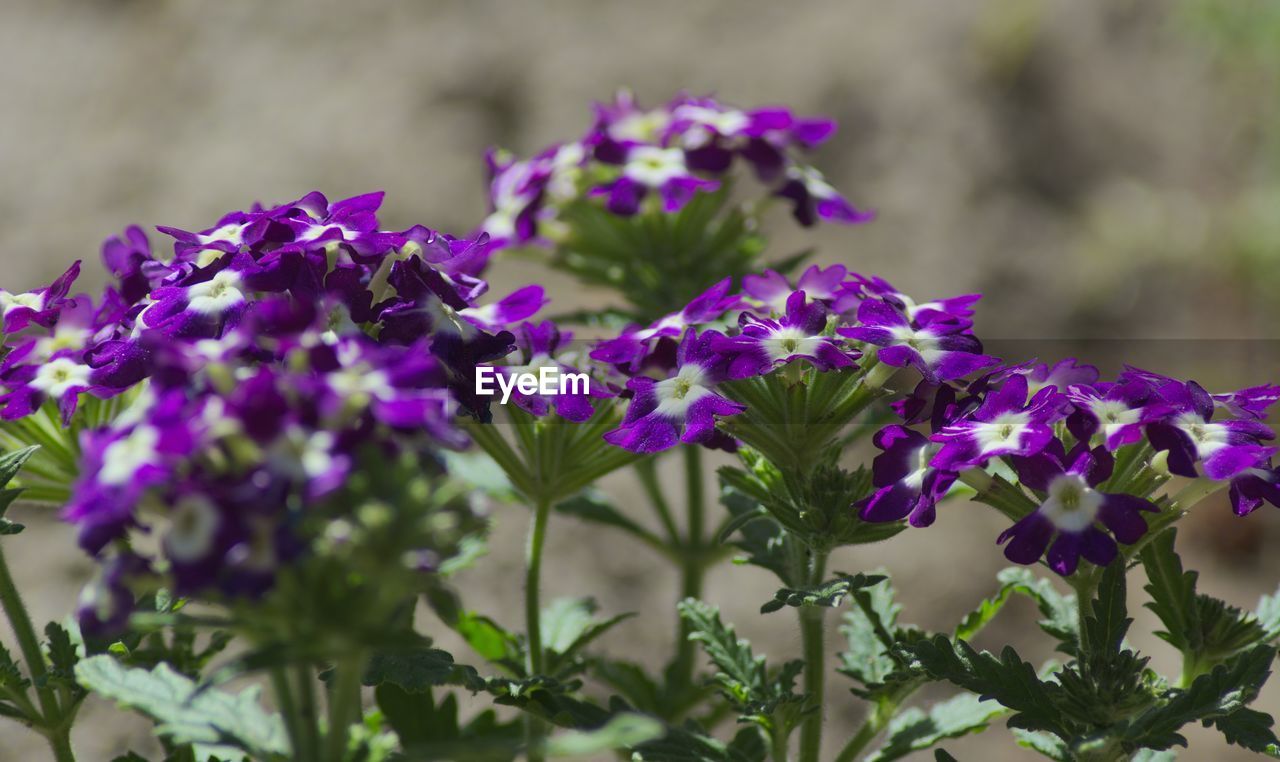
x=790, y=341
x=57, y=377
x=217, y=295
x=1207, y=437
x=678, y=393
x=1072, y=505
x=653, y=166
x=124, y=457
x=11, y=302
x=641, y=128
x=922, y=457
x=193, y=522
x=1001, y=433
x=64, y=337
x=230, y=233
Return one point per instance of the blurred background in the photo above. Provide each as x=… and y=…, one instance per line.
x=1104, y=170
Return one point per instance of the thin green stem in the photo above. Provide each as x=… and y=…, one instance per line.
x=812, y=636
x=28, y=643
x=647, y=471
x=308, y=720
x=535, y=729
x=288, y=708
x=876, y=721
x=693, y=564
x=344, y=705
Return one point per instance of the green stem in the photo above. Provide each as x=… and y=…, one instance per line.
x=1085, y=586
x=875, y=722
x=693, y=565
x=812, y=637
x=60, y=742
x=308, y=724
x=29, y=644
x=288, y=709
x=647, y=470
x=535, y=729
x=344, y=705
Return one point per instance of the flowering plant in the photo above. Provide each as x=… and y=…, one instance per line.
x=281, y=433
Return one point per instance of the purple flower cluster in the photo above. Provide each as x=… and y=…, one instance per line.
x=669, y=153
x=824, y=320
x=266, y=353
x=1058, y=428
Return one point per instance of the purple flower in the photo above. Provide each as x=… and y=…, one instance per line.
x=1004, y=424
x=860, y=288
x=812, y=198
x=1254, y=486
x=772, y=290
x=1190, y=436
x=652, y=168
x=631, y=350
x=539, y=345
x=40, y=307
x=938, y=350
x=1253, y=402
x=1119, y=412
x=1071, y=510
x=682, y=408
x=908, y=485
x=765, y=343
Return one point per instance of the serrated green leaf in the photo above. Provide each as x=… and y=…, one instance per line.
x=1045, y=744
x=766, y=698
x=691, y=744
x=828, y=594
x=419, y=671
x=621, y=732
x=1268, y=614
x=762, y=540
x=1059, y=611
x=1223, y=691
x=1173, y=593
x=913, y=729
x=1009, y=680
x=1109, y=620
x=1249, y=729
x=225, y=722
x=871, y=630
x=568, y=626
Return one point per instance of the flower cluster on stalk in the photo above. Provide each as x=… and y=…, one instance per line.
x=265, y=356
x=1057, y=428
x=632, y=156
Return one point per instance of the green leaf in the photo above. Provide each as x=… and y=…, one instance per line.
x=621, y=732
x=871, y=630
x=1249, y=729
x=828, y=594
x=419, y=671
x=11, y=463
x=691, y=744
x=761, y=539
x=941, y=755
x=222, y=721
x=1045, y=744
x=1227, y=689
x=1108, y=622
x=913, y=729
x=766, y=698
x=63, y=656
x=568, y=626
x=1173, y=593
x=595, y=507
x=1268, y=614
x=1058, y=610
x=1009, y=680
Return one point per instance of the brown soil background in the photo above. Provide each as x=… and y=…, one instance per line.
x=1085, y=163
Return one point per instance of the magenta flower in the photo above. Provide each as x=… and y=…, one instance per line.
x=682, y=408
x=938, y=350
x=764, y=343
x=1005, y=423
x=1071, y=510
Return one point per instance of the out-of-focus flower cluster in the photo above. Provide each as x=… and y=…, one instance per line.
x=267, y=354
x=632, y=156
